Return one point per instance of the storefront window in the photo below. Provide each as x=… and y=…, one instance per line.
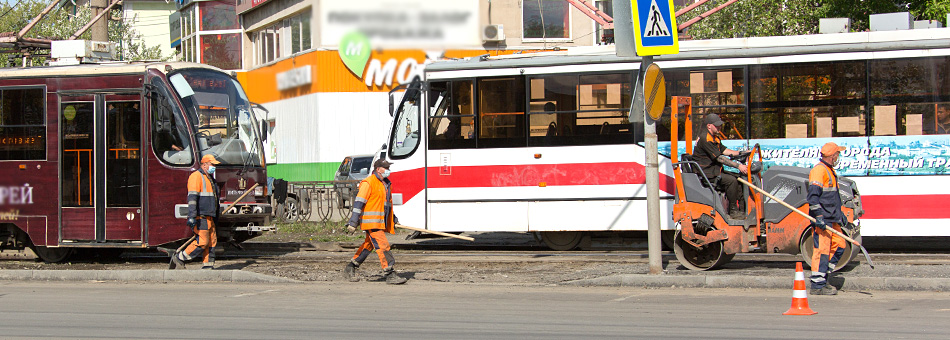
x=221, y=50
x=218, y=15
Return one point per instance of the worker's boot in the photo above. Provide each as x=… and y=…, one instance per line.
x=349, y=272
x=394, y=279
x=737, y=214
x=208, y=265
x=826, y=290
x=177, y=262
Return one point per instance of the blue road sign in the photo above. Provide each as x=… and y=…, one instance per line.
x=654, y=25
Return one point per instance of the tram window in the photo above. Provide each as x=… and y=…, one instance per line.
x=22, y=124
x=808, y=100
x=579, y=110
x=501, y=122
x=78, y=163
x=406, y=134
x=123, y=157
x=720, y=91
x=170, y=140
x=935, y=119
x=910, y=96
x=452, y=115
x=809, y=122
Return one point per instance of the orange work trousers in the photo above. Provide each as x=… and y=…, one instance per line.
x=828, y=250
x=375, y=240
x=204, y=244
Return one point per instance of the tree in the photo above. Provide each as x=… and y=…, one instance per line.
x=63, y=22
x=756, y=18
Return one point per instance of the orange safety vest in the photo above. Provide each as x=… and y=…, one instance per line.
x=823, y=198
x=377, y=212
x=202, y=196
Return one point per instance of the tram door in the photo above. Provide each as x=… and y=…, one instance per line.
x=101, y=168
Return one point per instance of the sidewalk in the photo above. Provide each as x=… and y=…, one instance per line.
x=624, y=280
x=147, y=275
x=745, y=281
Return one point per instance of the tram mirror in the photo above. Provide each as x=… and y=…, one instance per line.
x=264, y=130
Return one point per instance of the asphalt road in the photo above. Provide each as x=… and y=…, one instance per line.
x=426, y=310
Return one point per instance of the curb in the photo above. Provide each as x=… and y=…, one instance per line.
x=733, y=281
x=148, y=275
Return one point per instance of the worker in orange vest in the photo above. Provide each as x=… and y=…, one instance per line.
x=202, y=211
x=373, y=213
x=824, y=204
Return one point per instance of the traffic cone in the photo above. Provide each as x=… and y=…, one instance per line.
x=799, y=295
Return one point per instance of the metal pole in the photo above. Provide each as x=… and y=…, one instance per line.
x=100, y=26
x=652, y=178
x=623, y=29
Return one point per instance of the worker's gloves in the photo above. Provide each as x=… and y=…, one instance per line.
x=820, y=223
x=350, y=229
x=191, y=222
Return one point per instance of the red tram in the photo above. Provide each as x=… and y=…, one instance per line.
x=98, y=156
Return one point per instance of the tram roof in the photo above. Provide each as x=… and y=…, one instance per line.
x=918, y=39
x=102, y=69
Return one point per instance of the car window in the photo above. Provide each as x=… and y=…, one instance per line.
x=344, y=167
x=361, y=163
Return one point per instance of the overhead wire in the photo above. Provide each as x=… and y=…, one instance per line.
x=10, y=9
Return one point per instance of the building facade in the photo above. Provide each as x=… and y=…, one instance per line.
x=208, y=32
x=324, y=105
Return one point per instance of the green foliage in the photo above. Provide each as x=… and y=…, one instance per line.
x=757, y=18
x=63, y=22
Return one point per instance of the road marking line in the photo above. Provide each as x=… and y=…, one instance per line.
x=625, y=298
x=258, y=293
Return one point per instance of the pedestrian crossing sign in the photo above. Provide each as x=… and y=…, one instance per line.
x=654, y=24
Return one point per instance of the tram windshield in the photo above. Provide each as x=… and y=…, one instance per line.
x=221, y=116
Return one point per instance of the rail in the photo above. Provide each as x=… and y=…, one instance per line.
x=318, y=201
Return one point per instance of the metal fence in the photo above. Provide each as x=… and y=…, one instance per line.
x=318, y=201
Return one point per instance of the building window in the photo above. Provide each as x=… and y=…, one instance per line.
x=221, y=50
x=282, y=39
x=546, y=19
x=299, y=29
x=218, y=15
x=267, y=44
x=211, y=34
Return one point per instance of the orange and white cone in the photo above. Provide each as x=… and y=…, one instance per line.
x=799, y=295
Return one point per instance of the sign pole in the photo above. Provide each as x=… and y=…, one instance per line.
x=655, y=33
x=652, y=178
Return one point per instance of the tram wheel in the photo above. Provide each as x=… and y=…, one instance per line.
x=52, y=255
x=562, y=240
x=807, y=248
x=708, y=257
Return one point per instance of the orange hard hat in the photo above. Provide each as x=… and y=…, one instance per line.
x=830, y=148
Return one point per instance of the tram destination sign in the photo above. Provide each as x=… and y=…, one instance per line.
x=654, y=26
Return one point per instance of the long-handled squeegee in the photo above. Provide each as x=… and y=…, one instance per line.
x=812, y=219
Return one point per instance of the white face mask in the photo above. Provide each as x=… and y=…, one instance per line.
x=385, y=173
x=211, y=170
